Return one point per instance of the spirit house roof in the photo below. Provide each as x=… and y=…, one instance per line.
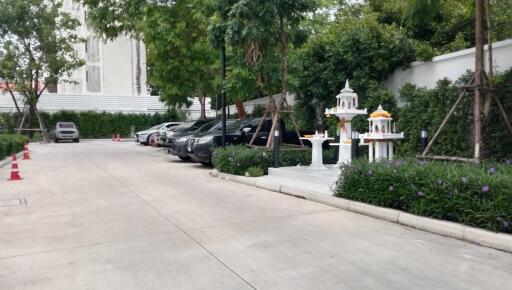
x=380, y=113
x=346, y=104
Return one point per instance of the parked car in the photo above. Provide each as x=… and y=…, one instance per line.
x=200, y=146
x=161, y=136
x=143, y=137
x=65, y=131
x=179, y=142
x=188, y=126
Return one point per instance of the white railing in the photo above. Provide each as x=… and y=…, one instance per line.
x=104, y=103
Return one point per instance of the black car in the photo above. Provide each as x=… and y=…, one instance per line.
x=185, y=127
x=179, y=141
x=200, y=145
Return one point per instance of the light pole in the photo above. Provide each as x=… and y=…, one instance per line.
x=223, y=90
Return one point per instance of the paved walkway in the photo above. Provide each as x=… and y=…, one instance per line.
x=103, y=215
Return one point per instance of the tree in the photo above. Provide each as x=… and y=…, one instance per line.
x=356, y=47
x=181, y=64
x=37, y=49
x=259, y=27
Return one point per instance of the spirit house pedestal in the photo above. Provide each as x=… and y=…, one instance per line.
x=380, y=135
x=345, y=110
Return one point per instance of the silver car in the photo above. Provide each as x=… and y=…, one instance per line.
x=66, y=131
x=144, y=137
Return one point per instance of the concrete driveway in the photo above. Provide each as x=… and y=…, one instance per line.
x=104, y=215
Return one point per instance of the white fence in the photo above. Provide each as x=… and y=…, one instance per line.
x=451, y=66
x=250, y=105
x=103, y=103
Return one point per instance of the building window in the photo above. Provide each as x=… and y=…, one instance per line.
x=92, y=50
x=93, y=79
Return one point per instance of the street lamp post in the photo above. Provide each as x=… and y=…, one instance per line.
x=223, y=91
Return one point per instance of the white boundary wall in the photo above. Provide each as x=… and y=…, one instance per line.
x=451, y=66
x=104, y=103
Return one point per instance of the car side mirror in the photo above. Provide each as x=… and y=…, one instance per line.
x=246, y=130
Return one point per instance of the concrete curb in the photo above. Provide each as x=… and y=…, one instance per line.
x=478, y=236
x=7, y=160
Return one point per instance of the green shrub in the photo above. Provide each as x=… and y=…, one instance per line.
x=474, y=195
x=239, y=159
x=98, y=125
x=255, y=171
x=10, y=144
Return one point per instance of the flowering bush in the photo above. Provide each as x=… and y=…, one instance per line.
x=10, y=144
x=475, y=195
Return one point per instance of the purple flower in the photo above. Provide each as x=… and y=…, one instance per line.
x=389, y=162
x=391, y=189
x=492, y=170
x=420, y=194
x=485, y=188
x=464, y=180
x=370, y=173
x=509, y=162
x=399, y=162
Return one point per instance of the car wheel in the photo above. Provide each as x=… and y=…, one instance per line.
x=184, y=158
x=56, y=140
x=77, y=140
x=206, y=163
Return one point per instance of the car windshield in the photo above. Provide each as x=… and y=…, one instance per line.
x=183, y=126
x=235, y=126
x=66, y=125
x=156, y=127
x=214, y=126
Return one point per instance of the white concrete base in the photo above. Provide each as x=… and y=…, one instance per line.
x=321, y=180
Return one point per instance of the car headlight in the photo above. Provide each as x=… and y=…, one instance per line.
x=203, y=140
x=182, y=139
x=169, y=134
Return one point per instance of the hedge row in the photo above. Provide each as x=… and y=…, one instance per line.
x=474, y=195
x=98, y=125
x=238, y=159
x=10, y=144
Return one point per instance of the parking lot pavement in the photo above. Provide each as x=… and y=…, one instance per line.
x=105, y=215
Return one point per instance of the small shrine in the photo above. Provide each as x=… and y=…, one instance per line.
x=380, y=136
x=316, y=141
x=345, y=110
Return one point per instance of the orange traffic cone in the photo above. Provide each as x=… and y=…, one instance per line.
x=118, y=138
x=26, y=153
x=15, y=172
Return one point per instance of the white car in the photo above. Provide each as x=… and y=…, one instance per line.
x=144, y=137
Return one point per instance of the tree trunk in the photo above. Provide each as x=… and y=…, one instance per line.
x=240, y=109
x=137, y=68
x=284, y=50
x=479, y=76
x=490, y=74
x=14, y=100
x=202, y=102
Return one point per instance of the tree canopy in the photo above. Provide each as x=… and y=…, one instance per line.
x=37, y=47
